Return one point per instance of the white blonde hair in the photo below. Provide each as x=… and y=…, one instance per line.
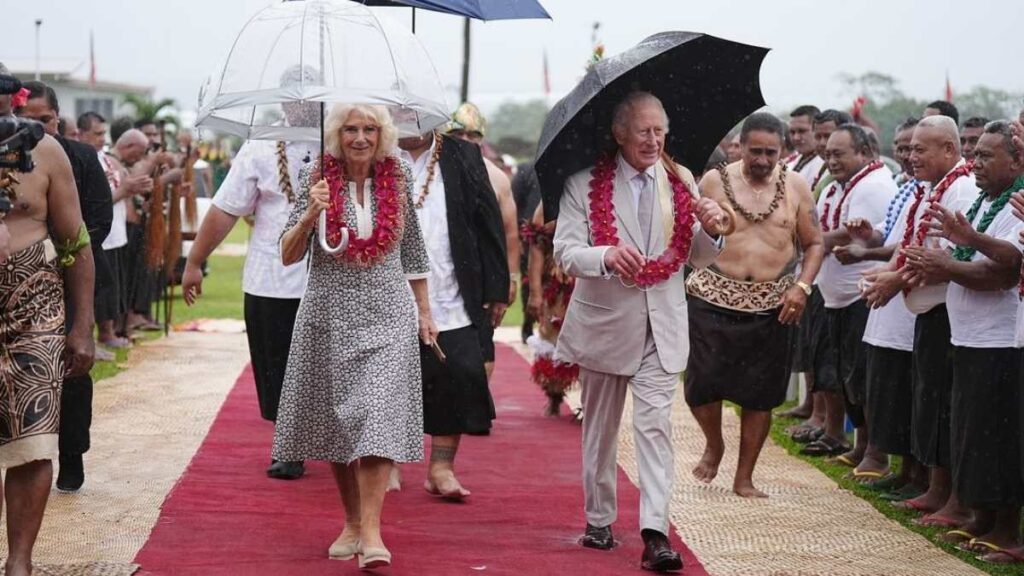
x=379, y=115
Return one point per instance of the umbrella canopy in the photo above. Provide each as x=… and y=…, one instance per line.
x=706, y=84
x=320, y=51
x=477, y=9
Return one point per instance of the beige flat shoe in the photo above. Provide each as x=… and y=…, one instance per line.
x=370, y=558
x=342, y=550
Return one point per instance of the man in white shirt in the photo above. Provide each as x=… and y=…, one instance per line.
x=468, y=289
x=982, y=300
x=946, y=181
x=861, y=190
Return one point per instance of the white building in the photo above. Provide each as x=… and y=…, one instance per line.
x=69, y=79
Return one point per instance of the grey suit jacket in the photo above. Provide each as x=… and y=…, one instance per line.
x=605, y=326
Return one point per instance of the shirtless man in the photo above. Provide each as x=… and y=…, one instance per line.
x=744, y=307
x=32, y=329
x=469, y=124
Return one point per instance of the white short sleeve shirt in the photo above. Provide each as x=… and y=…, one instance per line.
x=869, y=200
x=252, y=187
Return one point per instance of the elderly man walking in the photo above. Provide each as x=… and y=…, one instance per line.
x=626, y=323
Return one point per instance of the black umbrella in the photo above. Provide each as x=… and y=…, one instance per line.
x=706, y=84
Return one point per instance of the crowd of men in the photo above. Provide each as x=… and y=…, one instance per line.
x=912, y=330
x=896, y=282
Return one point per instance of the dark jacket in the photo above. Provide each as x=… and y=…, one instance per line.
x=94, y=198
x=475, y=230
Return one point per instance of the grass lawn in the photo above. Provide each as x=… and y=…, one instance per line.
x=838, y=472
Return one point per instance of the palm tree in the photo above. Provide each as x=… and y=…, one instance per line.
x=148, y=109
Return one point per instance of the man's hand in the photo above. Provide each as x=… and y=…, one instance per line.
x=626, y=261
x=953, y=227
x=711, y=216
x=5, y=242
x=535, y=305
x=192, y=283
x=1017, y=201
x=1018, y=135
x=137, y=185
x=860, y=230
x=794, y=300
x=849, y=254
x=880, y=285
x=172, y=176
x=79, y=351
x=927, y=266
x=497, y=310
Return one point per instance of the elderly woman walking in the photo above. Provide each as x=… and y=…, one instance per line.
x=352, y=391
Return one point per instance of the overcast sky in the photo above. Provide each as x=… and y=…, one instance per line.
x=173, y=45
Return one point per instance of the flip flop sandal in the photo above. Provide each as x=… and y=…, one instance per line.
x=808, y=434
x=910, y=505
x=825, y=446
x=976, y=545
x=907, y=492
x=956, y=536
x=847, y=461
x=890, y=481
x=933, y=521
x=1015, y=557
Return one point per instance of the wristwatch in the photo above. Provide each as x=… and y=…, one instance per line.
x=804, y=286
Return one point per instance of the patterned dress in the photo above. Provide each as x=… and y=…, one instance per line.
x=352, y=387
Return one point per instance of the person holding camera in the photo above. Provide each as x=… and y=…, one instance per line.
x=48, y=251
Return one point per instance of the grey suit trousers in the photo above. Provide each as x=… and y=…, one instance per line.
x=603, y=396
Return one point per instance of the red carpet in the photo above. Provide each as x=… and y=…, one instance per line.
x=526, y=512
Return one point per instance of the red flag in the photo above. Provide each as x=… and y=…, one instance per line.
x=92, y=62
x=547, y=77
x=949, y=89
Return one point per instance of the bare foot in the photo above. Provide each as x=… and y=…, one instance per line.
x=394, y=480
x=443, y=483
x=707, y=468
x=800, y=412
x=746, y=489
x=17, y=569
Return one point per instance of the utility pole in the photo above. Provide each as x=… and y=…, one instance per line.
x=39, y=24
x=465, y=60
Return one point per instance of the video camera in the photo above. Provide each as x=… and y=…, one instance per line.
x=17, y=139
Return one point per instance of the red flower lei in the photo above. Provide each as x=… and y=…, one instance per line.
x=909, y=237
x=388, y=181
x=846, y=194
x=604, y=232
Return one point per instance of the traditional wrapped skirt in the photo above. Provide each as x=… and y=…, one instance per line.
x=31, y=355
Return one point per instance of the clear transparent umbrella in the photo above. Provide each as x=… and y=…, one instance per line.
x=319, y=51
x=293, y=58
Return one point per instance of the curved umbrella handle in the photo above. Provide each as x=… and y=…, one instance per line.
x=322, y=235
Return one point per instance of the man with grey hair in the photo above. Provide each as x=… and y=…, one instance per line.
x=945, y=180
x=982, y=298
x=618, y=295
x=261, y=183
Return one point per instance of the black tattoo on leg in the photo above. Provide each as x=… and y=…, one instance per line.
x=443, y=453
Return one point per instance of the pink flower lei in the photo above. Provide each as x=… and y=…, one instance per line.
x=388, y=181
x=604, y=232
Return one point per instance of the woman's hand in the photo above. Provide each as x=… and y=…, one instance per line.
x=319, y=200
x=428, y=330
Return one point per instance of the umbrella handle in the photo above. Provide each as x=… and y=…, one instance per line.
x=322, y=236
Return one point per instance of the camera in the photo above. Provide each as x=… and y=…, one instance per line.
x=17, y=139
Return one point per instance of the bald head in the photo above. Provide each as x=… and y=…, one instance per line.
x=131, y=146
x=935, y=148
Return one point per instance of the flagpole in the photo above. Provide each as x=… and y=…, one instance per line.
x=39, y=24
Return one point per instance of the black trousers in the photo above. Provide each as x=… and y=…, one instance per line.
x=933, y=386
x=268, y=325
x=846, y=326
x=75, y=415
